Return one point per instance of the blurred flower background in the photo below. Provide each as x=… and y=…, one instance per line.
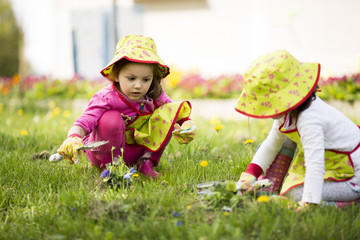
x=207, y=59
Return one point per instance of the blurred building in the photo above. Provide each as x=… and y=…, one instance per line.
x=217, y=37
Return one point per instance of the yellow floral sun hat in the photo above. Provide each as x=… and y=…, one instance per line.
x=136, y=48
x=276, y=83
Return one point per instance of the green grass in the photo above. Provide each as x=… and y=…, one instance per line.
x=43, y=200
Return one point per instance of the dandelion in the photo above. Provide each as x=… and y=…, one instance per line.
x=215, y=121
x=262, y=198
x=218, y=127
x=56, y=111
x=66, y=113
x=135, y=175
x=248, y=141
x=203, y=163
x=52, y=104
x=188, y=207
x=20, y=112
x=24, y=133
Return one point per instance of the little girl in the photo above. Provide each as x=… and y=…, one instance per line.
x=327, y=164
x=133, y=113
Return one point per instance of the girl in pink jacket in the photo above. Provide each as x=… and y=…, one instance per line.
x=133, y=113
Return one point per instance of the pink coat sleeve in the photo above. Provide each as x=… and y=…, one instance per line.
x=89, y=119
x=162, y=100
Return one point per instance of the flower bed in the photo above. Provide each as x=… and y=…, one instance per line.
x=178, y=85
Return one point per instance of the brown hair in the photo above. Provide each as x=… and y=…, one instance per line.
x=155, y=89
x=303, y=106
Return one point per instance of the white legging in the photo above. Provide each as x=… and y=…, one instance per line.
x=332, y=191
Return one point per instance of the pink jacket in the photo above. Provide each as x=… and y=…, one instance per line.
x=109, y=98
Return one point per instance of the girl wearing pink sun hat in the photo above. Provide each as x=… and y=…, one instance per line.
x=326, y=166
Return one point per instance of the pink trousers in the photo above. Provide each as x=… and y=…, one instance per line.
x=111, y=127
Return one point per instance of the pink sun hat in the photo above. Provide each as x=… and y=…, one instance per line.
x=136, y=48
x=276, y=83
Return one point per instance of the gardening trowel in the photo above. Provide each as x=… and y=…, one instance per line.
x=57, y=157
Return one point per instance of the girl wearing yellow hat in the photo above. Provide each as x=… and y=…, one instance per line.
x=326, y=166
x=133, y=113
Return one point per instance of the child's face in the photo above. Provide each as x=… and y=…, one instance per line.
x=135, y=80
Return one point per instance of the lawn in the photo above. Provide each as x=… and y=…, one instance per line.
x=44, y=200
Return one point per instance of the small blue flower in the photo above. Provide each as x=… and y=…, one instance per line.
x=73, y=208
x=178, y=224
x=176, y=214
x=105, y=173
x=128, y=175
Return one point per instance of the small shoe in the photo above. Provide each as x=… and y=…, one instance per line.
x=147, y=168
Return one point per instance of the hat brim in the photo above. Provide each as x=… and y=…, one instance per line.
x=150, y=57
x=285, y=100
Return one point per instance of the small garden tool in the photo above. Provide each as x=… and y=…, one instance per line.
x=57, y=157
x=205, y=188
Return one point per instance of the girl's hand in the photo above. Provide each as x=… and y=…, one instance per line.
x=68, y=148
x=246, y=182
x=186, y=132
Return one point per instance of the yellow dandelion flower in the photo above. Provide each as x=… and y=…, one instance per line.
x=226, y=213
x=66, y=113
x=215, y=121
x=248, y=141
x=188, y=207
x=52, y=104
x=20, y=112
x=218, y=127
x=263, y=198
x=204, y=163
x=24, y=133
x=56, y=111
x=135, y=175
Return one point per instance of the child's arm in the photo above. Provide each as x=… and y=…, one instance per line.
x=263, y=157
x=267, y=151
x=76, y=130
x=89, y=119
x=82, y=126
x=313, y=142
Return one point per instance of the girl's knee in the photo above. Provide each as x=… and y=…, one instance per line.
x=111, y=121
